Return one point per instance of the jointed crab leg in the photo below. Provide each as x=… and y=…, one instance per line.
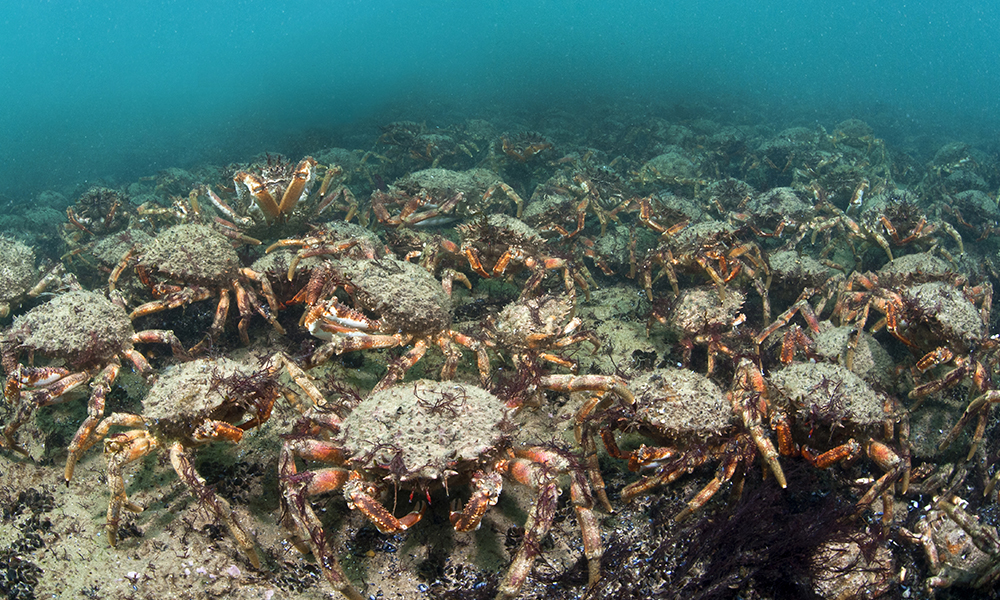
x=121, y=449
x=218, y=505
x=749, y=400
x=95, y=412
x=300, y=516
x=535, y=467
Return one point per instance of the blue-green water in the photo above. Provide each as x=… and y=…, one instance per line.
x=116, y=90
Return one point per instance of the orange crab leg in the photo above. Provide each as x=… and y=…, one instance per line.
x=846, y=451
x=258, y=191
x=298, y=187
x=487, y=488
x=360, y=496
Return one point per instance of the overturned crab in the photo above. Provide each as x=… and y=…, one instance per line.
x=960, y=550
x=421, y=436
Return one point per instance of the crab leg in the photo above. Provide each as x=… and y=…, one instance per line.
x=581, y=383
x=219, y=506
x=749, y=387
x=487, y=488
x=95, y=412
x=398, y=368
x=298, y=187
x=535, y=467
x=341, y=345
x=183, y=297
x=56, y=381
x=258, y=191
x=977, y=408
x=303, y=520
x=723, y=474
x=301, y=379
x=361, y=496
x=154, y=336
x=120, y=450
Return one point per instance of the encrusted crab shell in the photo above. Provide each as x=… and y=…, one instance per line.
x=503, y=230
x=191, y=253
x=83, y=328
x=402, y=295
x=680, y=402
x=434, y=429
x=547, y=315
x=188, y=393
x=699, y=309
x=947, y=312
x=17, y=273
x=832, y=389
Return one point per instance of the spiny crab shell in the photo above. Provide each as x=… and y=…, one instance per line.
x=679, y=402
x=699, y=309
x=546, y=316
x=193, y=254
x=17, y=273
x=435, y=430
x=947, y=312
x=83, y=328
x=403, y=295
x=187, y=394
x=831, y=389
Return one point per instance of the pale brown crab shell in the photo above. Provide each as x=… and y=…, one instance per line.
x=680, y=402
x=437, y=429
x=192, y=254
x=72, y=326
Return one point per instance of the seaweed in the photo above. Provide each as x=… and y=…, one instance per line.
x=764, y=543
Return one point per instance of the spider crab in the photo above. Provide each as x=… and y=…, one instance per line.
x=930, y=309
x=827, y=415
x=960, y=549
x=19, y=278
x=434, y=196
x=691, y=422
x=563, y=202
x=532, y=329
x=393, y=303
x=190, y=405
x=500, y=245
x=383, y=445
x=524, y=146
x=699, y=317
x=898, y=214
x=275, y=189
x=90, y=335
x=189, y=263
x=710, y=247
